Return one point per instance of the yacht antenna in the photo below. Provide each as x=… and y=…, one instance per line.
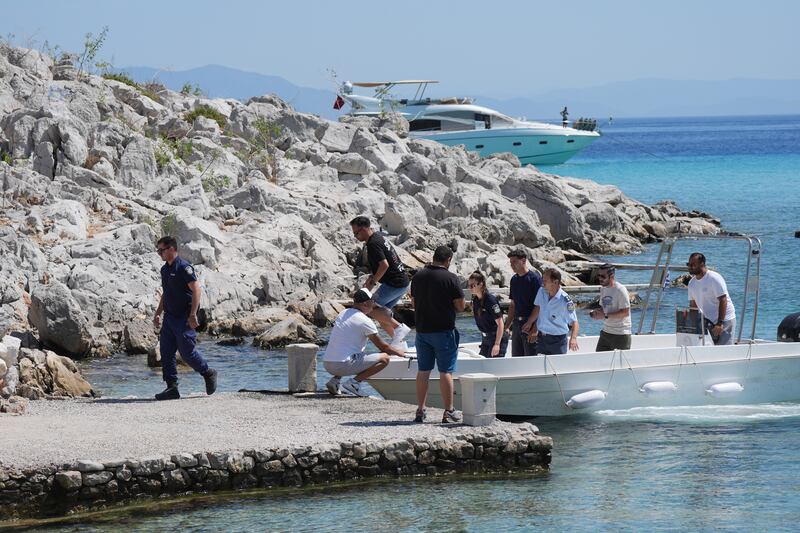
x=420, y=91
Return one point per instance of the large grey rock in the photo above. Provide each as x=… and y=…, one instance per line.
x=337, y=137
x=289, y=331
x=549, y=202
x=137, y=166
x=69, y=219
x=139, y=337
x=351, y=163
x=601, y=217
x=43, y=374
x=403, y=213
x=59, y=319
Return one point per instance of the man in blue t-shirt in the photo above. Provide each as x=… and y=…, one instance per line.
x=180, y=300
x=525, y=284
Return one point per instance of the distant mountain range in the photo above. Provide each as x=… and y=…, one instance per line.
x=637, y=98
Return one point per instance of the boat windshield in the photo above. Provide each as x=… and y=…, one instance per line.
x=458, y=120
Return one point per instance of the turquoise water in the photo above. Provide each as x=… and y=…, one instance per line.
x=642, y=469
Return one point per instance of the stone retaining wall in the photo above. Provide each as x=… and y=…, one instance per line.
x=88, y=485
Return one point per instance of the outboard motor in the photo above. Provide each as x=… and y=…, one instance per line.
x=789, y=329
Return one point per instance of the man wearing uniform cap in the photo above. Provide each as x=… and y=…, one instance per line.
x=344, y=355
x=555, y=320
x=180, y=300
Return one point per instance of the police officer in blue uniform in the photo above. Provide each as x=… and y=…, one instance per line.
x=180, y=299
x=556, y=321
x=488, y=317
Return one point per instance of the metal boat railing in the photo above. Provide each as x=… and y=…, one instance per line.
x=751, y=282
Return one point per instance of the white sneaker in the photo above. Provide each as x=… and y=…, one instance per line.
x=401, y=346
x=333, y=385
x=353, y=387
x=400, y=333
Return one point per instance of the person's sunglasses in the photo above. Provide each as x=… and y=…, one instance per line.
x=160, y=251
x=601, y=276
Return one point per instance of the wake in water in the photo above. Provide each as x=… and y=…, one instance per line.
x=704, y=413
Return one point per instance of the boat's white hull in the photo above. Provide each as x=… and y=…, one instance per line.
x=540, y=386
x=531, y=145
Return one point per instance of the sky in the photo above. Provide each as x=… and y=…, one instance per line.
x=510, y=48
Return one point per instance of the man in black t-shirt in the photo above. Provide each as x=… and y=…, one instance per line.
x=437, y=296
x=387, y=269
x=524, y=286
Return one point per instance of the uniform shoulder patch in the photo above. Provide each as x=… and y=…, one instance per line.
x=496, y=309
x=189, y=270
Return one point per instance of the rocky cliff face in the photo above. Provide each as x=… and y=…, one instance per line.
x=259, y=196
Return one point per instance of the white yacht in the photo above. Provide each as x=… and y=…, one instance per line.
x=674, y=369
x=454, y=121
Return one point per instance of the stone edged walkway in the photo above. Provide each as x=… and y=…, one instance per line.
x=81, y=454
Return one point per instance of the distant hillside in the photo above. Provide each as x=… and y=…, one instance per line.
x=662, y=98
x=219, y=81
x=637, y=98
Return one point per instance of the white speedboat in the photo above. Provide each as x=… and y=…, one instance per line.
x=454, y=121
x=677, y=369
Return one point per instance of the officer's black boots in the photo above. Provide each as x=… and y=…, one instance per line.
x=170, y=393
x=211, y=381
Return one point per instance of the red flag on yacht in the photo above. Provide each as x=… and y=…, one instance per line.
x=339, y=103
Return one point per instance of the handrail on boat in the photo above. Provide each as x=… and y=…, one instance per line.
x=754, y=248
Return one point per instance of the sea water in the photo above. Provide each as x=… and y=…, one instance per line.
x=699, y=468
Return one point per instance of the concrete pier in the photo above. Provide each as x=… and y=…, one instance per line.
x=73, y=455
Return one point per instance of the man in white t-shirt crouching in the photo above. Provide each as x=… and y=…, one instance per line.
x=709, y=293
x=345, y=355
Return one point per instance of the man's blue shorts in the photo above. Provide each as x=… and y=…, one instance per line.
x=440, y=347
x=388, y=296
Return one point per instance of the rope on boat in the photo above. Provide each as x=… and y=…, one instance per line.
x=611, y=378
x=630, y=367
x=694, y=362
x=558, y=381
x=746, y=364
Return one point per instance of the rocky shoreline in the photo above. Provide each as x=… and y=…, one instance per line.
x=94, y=170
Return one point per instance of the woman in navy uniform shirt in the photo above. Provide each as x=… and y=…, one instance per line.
x=488, y=317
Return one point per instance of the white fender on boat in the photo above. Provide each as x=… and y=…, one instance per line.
x=724, y=389
x=658, y=388
x=586, y=399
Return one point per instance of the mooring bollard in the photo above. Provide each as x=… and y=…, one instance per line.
x=478, y=398
x=302, y=367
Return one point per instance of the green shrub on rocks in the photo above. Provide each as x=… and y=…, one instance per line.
x=214, y=183
x=188, y=89
x=149, y=90
x=121, y=77
x=169, y=224
x=205, y=111
x=162, y=158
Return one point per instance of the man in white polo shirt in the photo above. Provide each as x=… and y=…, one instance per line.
x=344, y=355
x=709, y=293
